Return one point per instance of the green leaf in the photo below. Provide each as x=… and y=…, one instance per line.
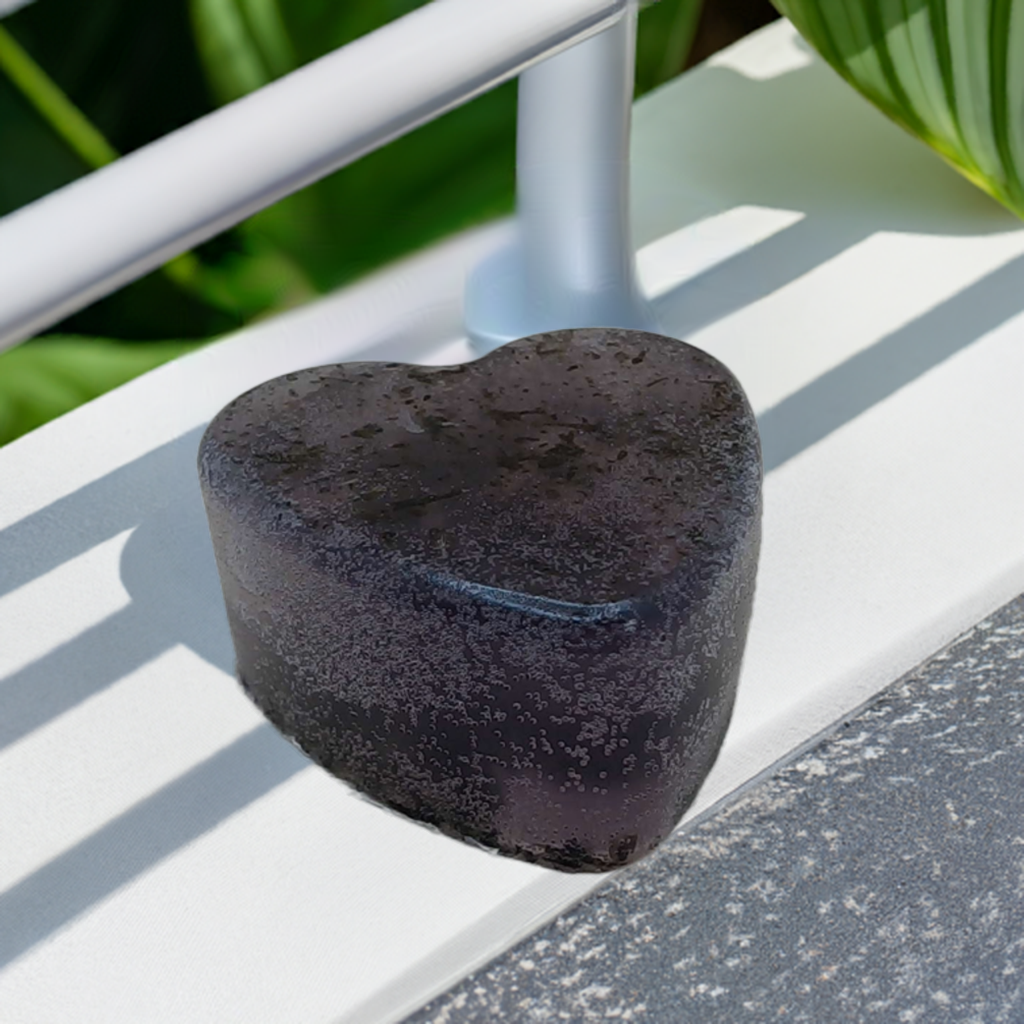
x=450, y=174
x=253, y=280
x=319, y=26
x=243, y=45
x=447, y=175
x=47, y=377
x=949, y=71
x=36, y=161
x=664, y=38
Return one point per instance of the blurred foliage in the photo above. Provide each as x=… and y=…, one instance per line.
x=665, y=38
x=129, y=73
x=47, y=376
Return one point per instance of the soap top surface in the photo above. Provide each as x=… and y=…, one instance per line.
x=578, y=466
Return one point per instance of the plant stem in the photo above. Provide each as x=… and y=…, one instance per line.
x=81, y=135
x=53, y=104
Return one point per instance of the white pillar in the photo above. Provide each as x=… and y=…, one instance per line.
x=571, y=263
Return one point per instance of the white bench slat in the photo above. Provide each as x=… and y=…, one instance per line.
x=186, y=864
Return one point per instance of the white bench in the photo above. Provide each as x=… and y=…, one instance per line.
x=166, y=856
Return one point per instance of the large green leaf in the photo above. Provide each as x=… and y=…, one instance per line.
x=949, y=71
x=131, y=68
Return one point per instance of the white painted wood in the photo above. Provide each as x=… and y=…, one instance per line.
x=179, y=861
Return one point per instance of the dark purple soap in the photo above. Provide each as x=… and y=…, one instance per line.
x=508, y=598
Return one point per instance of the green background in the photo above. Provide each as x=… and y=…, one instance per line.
x=130, y=72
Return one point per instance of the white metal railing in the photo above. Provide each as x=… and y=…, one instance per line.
x=89, y=238
x=572, y=263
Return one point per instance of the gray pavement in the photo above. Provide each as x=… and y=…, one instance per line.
x=875, y=875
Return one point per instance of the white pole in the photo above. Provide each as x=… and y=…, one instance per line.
x=572, y=263
x=86, y=240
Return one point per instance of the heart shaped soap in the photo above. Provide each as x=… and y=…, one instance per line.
x=507, y=598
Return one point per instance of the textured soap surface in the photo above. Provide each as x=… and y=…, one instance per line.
x=507, y=598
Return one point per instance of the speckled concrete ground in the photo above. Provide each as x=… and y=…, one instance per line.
x=876, y=875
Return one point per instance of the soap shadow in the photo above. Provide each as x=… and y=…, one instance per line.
x=72, y=525
x=167, y=565
x=167, y=568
